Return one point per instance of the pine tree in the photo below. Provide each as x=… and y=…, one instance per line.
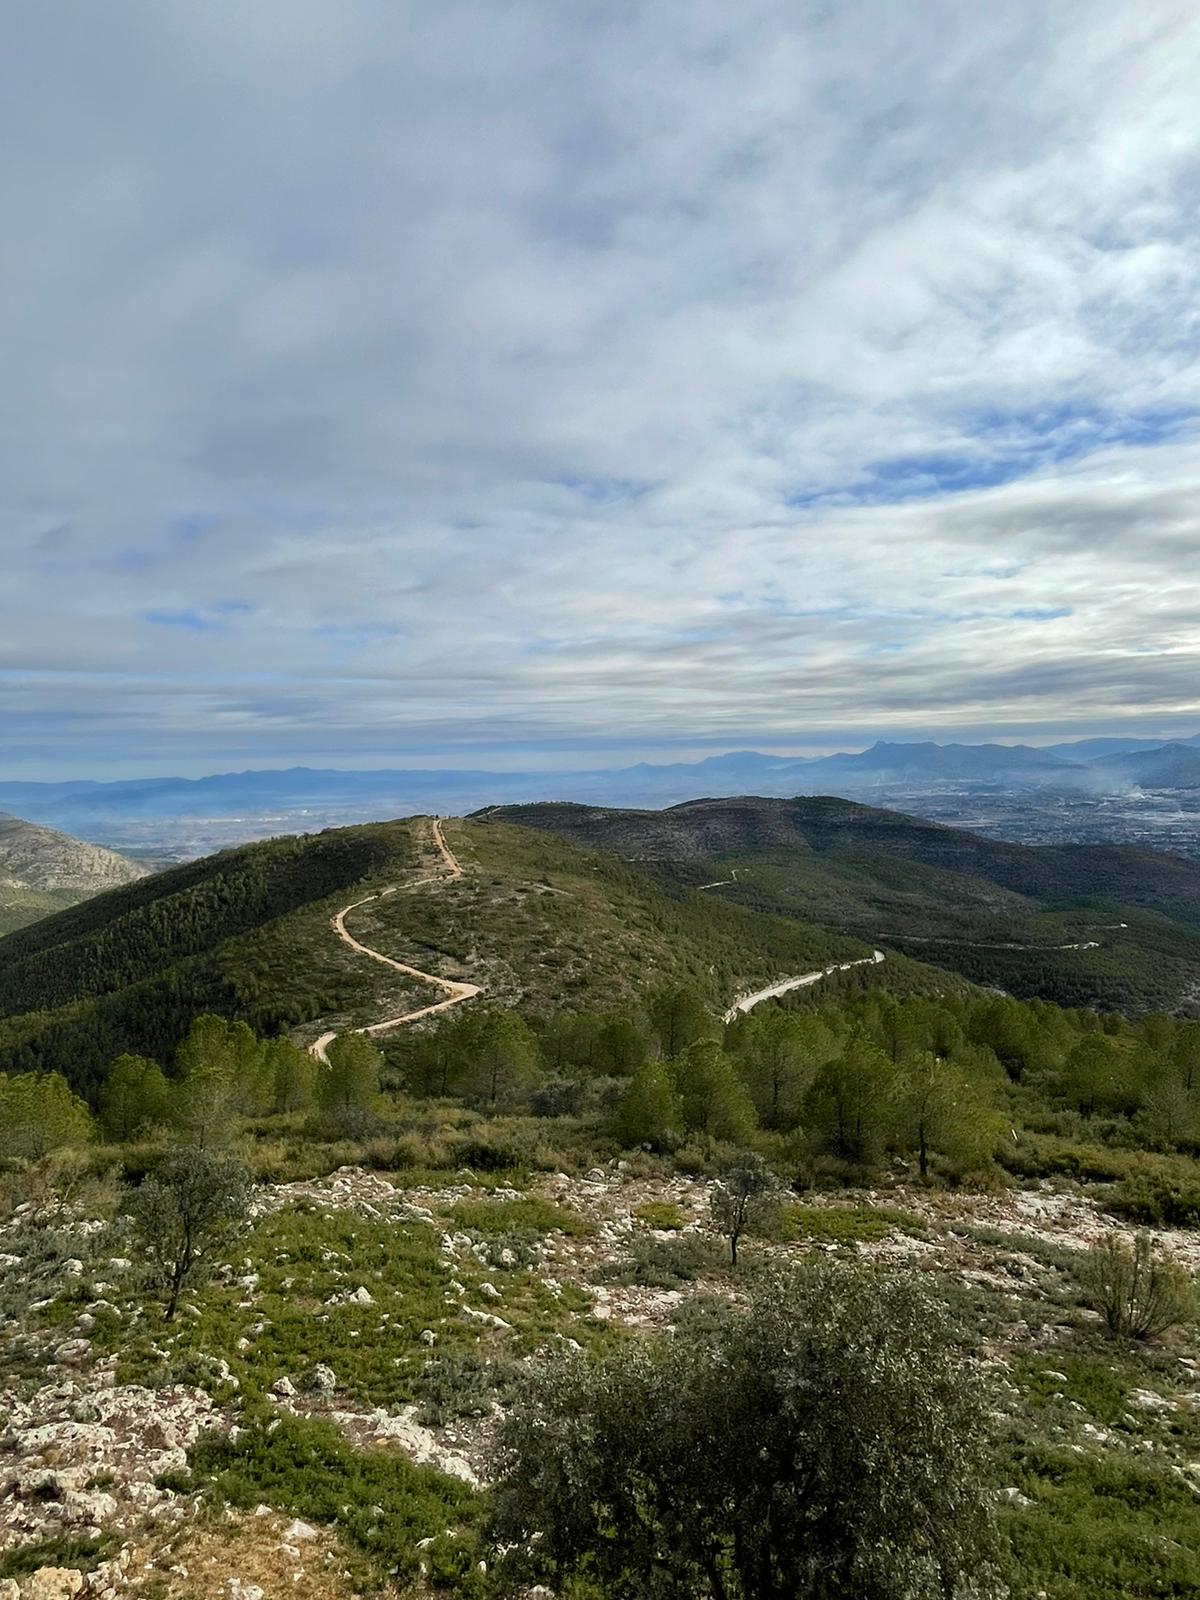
x=848, y=1106
x=293, y=1075
x=678, y=1018
x=38, y=1114
x=503, y=1058
x=778, y=1054
x=714, y=1098
x=650, y=1112
x=350, y=1082
x=936, y=1108
x=134, y=1098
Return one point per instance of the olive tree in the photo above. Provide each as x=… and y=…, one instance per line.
x=193, y=1204
x=828, y=1441
x=744, y=1199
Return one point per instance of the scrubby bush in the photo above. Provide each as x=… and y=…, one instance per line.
x=1157, y=1200
x=664, y=1263
x=191, y=1205
x=664, y=1214
x=828, y=1442
x=1141, y=1292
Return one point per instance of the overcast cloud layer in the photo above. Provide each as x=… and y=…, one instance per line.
x=530, y=382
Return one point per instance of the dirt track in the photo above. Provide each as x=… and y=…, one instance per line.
x=747, y=1002
x=456, y=993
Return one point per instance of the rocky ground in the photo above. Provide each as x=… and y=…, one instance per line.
x=317, y=1320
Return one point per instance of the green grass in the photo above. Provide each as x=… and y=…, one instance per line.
x=304, y=1257
x=844, y=1224
x=529, y=1214
x=662, y=1214
x=64, y=1550
x=1097, y=1384
x=1101, y=1527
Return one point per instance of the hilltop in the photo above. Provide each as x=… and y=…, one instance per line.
x=42, y=871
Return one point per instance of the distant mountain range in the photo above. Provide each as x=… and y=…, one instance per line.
x=243, y=805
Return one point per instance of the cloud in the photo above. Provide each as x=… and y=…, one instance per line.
x=559, y=378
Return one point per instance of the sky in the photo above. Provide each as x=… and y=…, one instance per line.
x=488, y=382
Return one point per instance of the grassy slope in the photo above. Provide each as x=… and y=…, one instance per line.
x=541, y=924
x=19, y=906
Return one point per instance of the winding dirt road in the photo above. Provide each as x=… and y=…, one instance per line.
x=456, y=993
x=747, y=1002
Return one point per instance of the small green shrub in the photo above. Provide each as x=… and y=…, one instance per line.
x=665, y=1263
x=661, y=1214
x=64, y=1550
x=1105, y=1526
x=1157, y=1202
x=384, y=1505
x=843, y=1224
x=1094, y=1382
x=1141, y=1292
x=465, y=1383
x=506, y=1216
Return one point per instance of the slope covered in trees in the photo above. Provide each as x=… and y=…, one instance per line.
x=536, y=922
x=242, y=934
x=1107, y=926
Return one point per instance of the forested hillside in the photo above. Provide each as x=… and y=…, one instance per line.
x=229, y=934
x=539, y=923
x=1109, y=926
x=704, y=829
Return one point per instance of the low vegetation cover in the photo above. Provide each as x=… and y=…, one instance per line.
x=867, y=1292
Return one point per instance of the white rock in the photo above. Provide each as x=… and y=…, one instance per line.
x=1148, y=1400
x=299, y=1531
x=52, y=1583
x=72, y=1353
x=284, y=1388
x=486, y=1318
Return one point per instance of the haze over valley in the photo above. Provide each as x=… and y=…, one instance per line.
x=1110, y=789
